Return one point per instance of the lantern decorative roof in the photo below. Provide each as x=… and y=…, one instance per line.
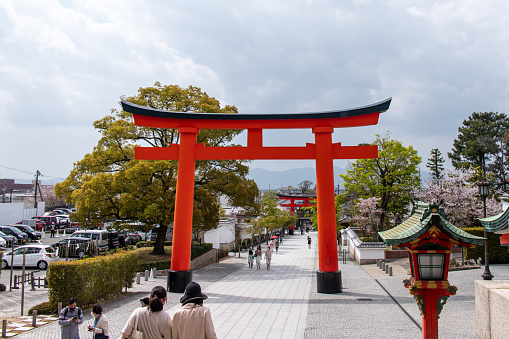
x=497, y=222
x=425, y=220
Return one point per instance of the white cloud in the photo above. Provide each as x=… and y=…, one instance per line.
x=65, y=64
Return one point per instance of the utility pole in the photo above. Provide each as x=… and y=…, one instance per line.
x=36, y=186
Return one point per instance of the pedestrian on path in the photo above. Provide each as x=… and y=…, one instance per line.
x=100, y=327
x=69, y=319
x=52, y=235
x=258, y=256
x=309, y=241
x=193, y=320
x=277, y=245
x=271, y=245
x=151, y=320
x=268, y=256
x=250, y=256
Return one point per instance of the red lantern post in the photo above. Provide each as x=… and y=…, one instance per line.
x=429, y=237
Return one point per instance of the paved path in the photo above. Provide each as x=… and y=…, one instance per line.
x=283, y=303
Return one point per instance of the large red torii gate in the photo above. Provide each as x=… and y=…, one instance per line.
x=323, y=151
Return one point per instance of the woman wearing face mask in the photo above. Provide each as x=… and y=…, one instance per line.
x=100, y=327
x=151, y=320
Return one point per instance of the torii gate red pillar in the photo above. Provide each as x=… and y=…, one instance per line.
x=328, y=275
x=184, y=204
x=323, y=151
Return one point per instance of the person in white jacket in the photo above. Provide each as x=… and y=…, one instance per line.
x=100, y=327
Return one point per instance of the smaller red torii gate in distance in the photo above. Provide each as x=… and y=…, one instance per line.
x=293, y=203
x=324, y=151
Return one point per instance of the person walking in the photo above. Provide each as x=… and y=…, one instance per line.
x=271, y=245
x=193, y=320
x=250, y=259
x=52, y=234
x=100, y=327
x=69, y=319
x=258, y=256
x=151, y=320
x=309, y=241
x=268, y=257
x=277, y=245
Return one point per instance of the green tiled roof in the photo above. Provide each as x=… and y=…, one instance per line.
x=419, y=223
x=497, y=222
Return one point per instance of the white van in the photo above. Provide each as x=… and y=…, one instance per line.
x=100, y=235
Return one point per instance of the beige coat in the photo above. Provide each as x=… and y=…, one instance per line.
x=102, y=324
x=193, y=321
x=154, y=325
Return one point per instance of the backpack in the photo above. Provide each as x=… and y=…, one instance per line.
x=67, y=311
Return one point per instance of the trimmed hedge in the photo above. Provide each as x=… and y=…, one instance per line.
x=92, y=279
x=200, y=249
x=498, y=254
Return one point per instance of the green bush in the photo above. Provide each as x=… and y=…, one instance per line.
x=498, y=254
x=200, y=249
x=44, y=308
x=92, y=279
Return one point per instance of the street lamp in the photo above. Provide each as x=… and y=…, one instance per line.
x=484, y=191
x=429, y=237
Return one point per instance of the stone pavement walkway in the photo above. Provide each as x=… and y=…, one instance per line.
x=283, y=303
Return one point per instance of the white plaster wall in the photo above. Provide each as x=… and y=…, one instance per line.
x=11, y=213
x=224, y=234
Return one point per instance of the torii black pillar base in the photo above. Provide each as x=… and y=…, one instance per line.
x=178, y=280
x=328, y=282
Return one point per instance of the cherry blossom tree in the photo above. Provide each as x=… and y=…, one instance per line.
x=458, y=195
x=367, y=214
x=47, y=192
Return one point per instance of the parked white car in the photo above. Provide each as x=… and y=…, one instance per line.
x=39, y=256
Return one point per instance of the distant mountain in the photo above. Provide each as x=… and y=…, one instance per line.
x=266, y=179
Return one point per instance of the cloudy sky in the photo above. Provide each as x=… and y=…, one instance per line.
x=64, y=64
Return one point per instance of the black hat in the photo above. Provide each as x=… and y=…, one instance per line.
x=193, y=291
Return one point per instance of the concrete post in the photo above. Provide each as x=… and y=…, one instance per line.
x=390, y=271
x=383, y=266
x=146, y=275
x=4, y=328
x=59, y=307
x=34, y=318
x=138, y=276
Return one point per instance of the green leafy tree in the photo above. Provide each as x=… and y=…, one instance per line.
x=391, y=177
x=481, y=144
x=436, y=165
x=109, y=184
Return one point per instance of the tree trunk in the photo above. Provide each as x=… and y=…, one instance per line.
x=161, y=237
